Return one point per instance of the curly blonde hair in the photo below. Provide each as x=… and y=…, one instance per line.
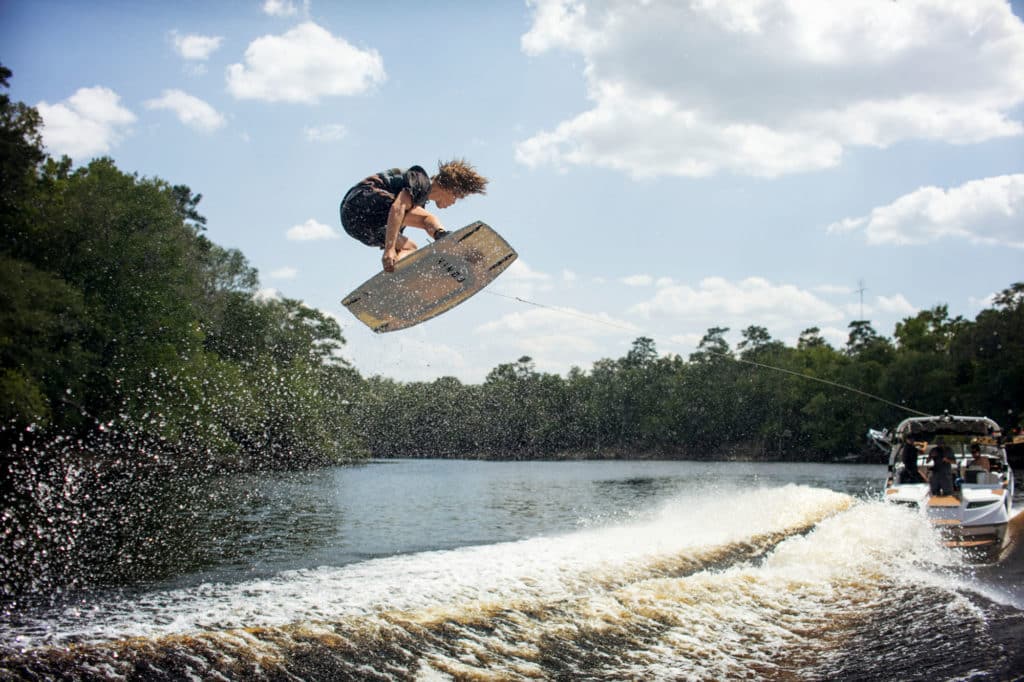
x=460, y=178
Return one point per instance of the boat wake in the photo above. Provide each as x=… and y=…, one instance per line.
x=772, y=582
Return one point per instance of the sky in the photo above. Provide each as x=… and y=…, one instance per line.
x=662, y=167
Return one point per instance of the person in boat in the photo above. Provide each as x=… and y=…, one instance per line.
x=377, y=210
x=909, y=453
x=980, y=468
x=941, y=479
x=977, y=460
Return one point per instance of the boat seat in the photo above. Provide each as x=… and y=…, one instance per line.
x=981, y=477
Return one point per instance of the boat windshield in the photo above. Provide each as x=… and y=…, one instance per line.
x=991, y=457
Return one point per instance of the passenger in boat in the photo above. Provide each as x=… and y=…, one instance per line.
x=941, y=479
x=980, y=468
x=909, y=453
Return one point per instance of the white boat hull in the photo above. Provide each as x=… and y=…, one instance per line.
x=974, y=519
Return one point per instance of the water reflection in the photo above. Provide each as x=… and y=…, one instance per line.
x=176, y=532
x=251, y=525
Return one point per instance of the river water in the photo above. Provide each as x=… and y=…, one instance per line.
x=438, y=570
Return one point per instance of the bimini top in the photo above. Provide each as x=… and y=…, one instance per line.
x=926, y=428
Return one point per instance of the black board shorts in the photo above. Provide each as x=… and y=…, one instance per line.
x=364, y=214
x=941, y=483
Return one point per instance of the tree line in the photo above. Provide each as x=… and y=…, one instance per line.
x=119, y=318
x=721, y=402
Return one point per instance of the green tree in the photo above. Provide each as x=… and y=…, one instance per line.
x=866, y=343
x=43, y=339
x=755, y=340
x=811, y=338
x=21, y=153
x=930, y=331
x=713, y=346
x=988, y=361
x=117, y=310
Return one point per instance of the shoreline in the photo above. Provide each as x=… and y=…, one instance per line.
x=618, y=455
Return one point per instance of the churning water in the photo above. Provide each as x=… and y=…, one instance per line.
x=588, y=570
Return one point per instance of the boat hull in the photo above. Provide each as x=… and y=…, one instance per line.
x=974, y=519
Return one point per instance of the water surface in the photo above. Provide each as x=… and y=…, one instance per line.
x=425, y=569
x=260, y=525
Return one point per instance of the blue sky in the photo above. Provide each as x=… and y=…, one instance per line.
x=661, y=167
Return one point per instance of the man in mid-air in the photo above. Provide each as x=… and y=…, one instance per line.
x=378, y=209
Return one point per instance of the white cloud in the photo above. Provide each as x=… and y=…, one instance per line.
x=846, y=225
x=897, y=305
x=88, y=123
x=750, y=301
x=556, y=339
x=523, y=281
x=426, y=356
x=638, y=281
x=770, y=87
x=838, y=289
x=835, y=336
x=547, y=321
x=284, y=273
x=983, y=302
x=280, y=8
x=191, y=111
x=986, y=211
x=688, y=341
x=326, y=133
x=521, y=272
x=303, y=65
x=195, y=47
x=267, y=294
x=311, y=230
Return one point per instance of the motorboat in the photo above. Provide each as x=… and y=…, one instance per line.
x=976, y=512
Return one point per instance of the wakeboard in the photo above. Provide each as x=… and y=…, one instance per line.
x=433, y=279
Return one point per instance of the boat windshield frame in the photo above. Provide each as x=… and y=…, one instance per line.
x=958, y=433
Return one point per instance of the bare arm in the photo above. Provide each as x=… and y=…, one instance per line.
x=396, y=218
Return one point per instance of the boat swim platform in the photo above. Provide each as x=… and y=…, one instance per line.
x=970, y=544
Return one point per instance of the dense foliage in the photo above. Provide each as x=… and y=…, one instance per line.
x=721, y=402
x=118, y=316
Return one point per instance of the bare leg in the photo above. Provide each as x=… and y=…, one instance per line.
x=405, y=247
x=431, y=231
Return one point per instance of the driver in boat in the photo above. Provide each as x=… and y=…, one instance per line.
x=378, y=209
x=909, y=453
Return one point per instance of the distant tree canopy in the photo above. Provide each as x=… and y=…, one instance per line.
x=118, y=314
x=712, y=406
